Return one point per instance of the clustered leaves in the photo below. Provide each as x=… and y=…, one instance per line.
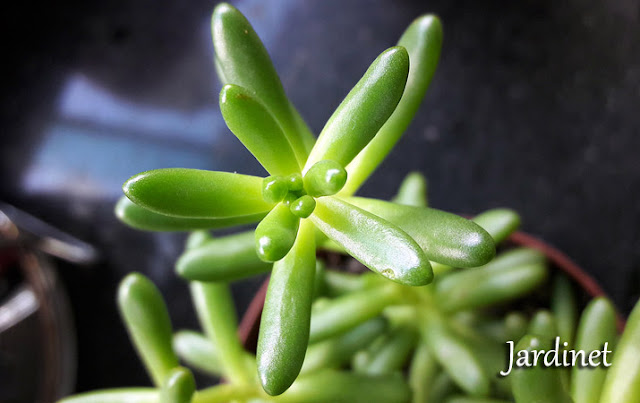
x=315, y=321
x=306, y=201
x=447, y=337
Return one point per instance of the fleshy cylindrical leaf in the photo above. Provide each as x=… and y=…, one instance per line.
x=422, y=372
x=197, y=193
x=197, y=351
x=243, y=60
x=423, y=41
x=500, y=223
x=622, y=384
x=392, y=355
x=147, y=320
x=376, y=243
x=456, y=356
x=597, y=327
x=178, y=387
x=543, y=324
x=228, y=258
x=141, y=218
x=537, y=383
x=337, y=351
x=258, y=130
x=445, y=238
x=564, y=307
x=412, y=191
x=284, y=327
x=344, y=313
x=508, y=276
x=276, y=233
x=364, y=110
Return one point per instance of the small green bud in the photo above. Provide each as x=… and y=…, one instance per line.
x=303, y=206
x=294, y=181
x=325, y=178
x=289, y=199
x=274, y=188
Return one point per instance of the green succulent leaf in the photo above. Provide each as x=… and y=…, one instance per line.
x=178, y=387
x=393, y=353
x=228, y=258
x=543, y=324
x=197, y=351
x=422, y=372
x=537, y=383
x=510, y=275
x=500, y=223
x=197, y=239
x=597, y=327
x=337, y=351
x=445, y=238
x=376, y=243
x=365, y=109
x=564, y=307
x=147, y=320
x=515, y=326
x=412, y=191
x=143, y=219
x=257, y=129
x=456, y=356
x=195, y=193
x=423, y=41
x=242, y=60
x=276, y=233
x=344, y=313
x=622, y=383
x=284, y=327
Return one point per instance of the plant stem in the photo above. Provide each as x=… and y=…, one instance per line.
x=217, y=316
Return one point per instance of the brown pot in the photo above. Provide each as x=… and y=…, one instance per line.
x=250, y=323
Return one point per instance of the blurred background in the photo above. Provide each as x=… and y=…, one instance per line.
x=535, y=106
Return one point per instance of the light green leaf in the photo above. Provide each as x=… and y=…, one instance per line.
x=178, y=387
x=412, y=191
x=147, y=320
x=195, y=193
x=228, y=258
x=140, y=218
x=376, y=243
x=445, y=238
x=257, y=129
x=243, y=60
x=423, y=41
x=364, y=110
x=284, y=327
x=197, y=351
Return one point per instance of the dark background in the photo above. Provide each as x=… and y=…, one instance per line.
x=535, y=106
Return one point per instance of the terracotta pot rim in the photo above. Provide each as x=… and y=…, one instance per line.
x=249, y=325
